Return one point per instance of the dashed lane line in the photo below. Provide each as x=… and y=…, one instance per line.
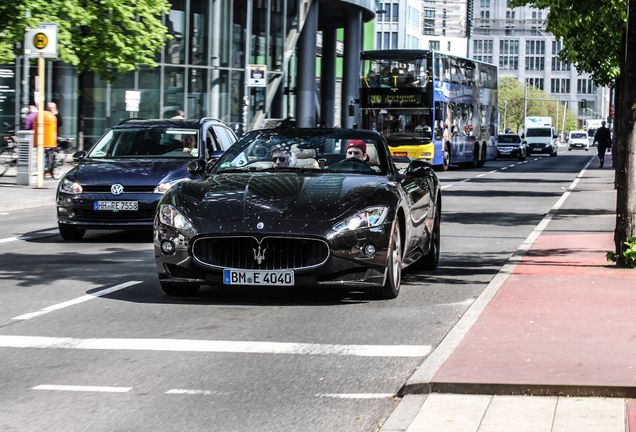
x=83, y=388
x=212, y=346
x=76, y=301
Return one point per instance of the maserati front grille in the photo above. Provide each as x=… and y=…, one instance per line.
x=272, y=253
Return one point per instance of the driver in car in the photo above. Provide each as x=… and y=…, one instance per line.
x=357, y=149
x=280, y=158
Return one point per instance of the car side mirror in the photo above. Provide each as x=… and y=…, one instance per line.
x=79, y=155
x=197, y=167
x=419, y=168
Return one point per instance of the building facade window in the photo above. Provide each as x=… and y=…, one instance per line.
x=433, y=45
x=585, y=86
x=535, y=63
x=396, y=14
x=559, y=85
x=535, y=82
x=508, y=46
x=535, y=47
x=558, y=65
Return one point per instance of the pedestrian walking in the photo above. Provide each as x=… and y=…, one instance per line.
x=604, y=139
x=31, y=118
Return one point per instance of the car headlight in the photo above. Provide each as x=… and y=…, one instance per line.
x=367, y=218
x=164, y=187
x=169, y=215
x=70, y=187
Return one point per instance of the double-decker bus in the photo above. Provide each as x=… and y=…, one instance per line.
x=431, y=106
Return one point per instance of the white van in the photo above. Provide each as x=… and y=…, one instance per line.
x=578, y=140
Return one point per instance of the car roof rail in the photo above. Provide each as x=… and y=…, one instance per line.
x=128, y=120
x=204, y=119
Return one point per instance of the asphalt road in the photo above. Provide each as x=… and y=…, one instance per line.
x=89, y=342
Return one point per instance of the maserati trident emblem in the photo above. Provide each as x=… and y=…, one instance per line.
x=260, y=255
x=117, y=189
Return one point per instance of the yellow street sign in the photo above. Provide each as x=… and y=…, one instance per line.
x=40, y=40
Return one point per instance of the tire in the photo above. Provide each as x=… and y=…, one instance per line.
x=447, y=157
x=6, y=157
x=58, y=168
x=179, y=290
x=70, y=232
x=430, y=261
x=553, y=154
x=391, y=287
x=569, y=149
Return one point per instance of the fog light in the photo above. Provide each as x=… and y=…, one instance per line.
x=369, y=249
x=167, y=247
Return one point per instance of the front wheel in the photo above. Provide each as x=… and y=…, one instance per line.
x=484, y=155
x=6, y=158
x=70, y=232
x=391, y=287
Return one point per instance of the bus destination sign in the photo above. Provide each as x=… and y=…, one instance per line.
x=395, y=100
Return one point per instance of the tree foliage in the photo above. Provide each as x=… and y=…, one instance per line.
x=512, y=91
x=591, y=32
x=106, y=36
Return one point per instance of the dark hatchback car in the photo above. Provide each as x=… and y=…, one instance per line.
x=294, y=207
x=511, y=146
x=118, y=182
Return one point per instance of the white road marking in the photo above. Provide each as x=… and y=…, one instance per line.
x=447, y=186
x=357, y=395
x=76, y=301
x=9, y=239
x=83, y=388
x=503, y=168
x=190, y=392
x=465, y=180
x=481, y=175
x=188, y=345
x=493, y=171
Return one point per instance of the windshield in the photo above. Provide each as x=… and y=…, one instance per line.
x=402, y=126
x=147, y=142
x=395, y=73
x=580, y=135
x=509, y=139
x=536, y=132
x=320, y=150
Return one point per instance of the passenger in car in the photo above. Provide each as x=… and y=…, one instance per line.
x=357, y=149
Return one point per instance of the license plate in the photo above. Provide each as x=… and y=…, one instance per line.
x=537, y=149
x=258, y=277
x=504, y=152
x=116, y=205
x=400, y=154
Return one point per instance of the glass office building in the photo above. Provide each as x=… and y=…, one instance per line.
x=203, y=70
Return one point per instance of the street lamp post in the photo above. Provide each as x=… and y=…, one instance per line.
x=505, y=112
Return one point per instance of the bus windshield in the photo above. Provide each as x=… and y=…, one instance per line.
x=395, y=73
x=403, y=127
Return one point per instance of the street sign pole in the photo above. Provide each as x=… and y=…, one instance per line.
x=41, y=122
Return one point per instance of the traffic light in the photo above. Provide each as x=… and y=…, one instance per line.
x=583, y=103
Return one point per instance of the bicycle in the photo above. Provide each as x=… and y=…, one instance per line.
x=9, y=152
x=57, y=158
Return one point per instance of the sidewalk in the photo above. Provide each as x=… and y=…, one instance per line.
x=550, y=345
x=18, y=197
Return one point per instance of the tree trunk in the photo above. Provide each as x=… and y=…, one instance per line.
x=625, y=162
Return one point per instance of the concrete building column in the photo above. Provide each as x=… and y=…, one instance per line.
x=306, y=78
x=328, y=77
x=351, y=67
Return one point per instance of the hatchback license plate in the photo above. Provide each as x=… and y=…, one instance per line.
x=258, y=277
x=537, y=149
x=116, y=205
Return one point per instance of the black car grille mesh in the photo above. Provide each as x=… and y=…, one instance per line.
x=86, y=215
x=127, y=189
x=275, y=253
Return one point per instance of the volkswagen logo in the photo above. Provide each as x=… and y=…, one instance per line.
x=117, y=189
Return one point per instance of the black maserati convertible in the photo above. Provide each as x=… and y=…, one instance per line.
x=300, y=207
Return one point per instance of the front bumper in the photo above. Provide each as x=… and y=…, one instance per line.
x=541, y=148
x=512, y=152
x=79, y=210
x=346, y=266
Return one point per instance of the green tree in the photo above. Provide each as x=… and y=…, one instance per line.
x=599, y=37
x=108, y=37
